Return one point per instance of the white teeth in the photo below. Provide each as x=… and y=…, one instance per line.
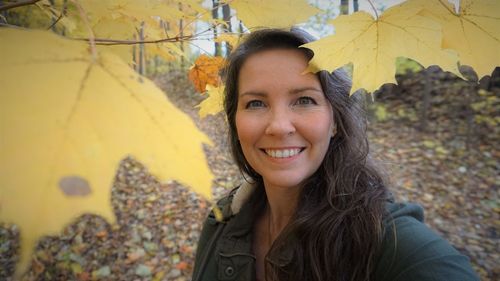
x=282, y=153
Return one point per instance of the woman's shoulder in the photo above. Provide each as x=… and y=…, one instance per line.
x=412, y=251
x=229, y=205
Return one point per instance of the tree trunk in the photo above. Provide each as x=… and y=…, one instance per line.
x=135, y=55
x=181, y=33
x=3, y=14
x=53, y=27
x=226, y=16
x=142, y=51
x=240, y=28
x=355, y=5
x=215, y=15
x=344, y=7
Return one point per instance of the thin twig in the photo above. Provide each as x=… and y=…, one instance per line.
x=17, y=4
x=55, y=21
x=201, y=49
x=448, y=8
x=374, y=9
x=200, y=15
x=63, y=10
x=110, y=42
x=91, y=38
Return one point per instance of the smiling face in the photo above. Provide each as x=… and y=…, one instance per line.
x=283, y=120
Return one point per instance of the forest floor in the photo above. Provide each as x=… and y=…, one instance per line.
x=158, y=224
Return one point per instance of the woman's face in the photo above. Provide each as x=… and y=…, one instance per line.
x=283, y=119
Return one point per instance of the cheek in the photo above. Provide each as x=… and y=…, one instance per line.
x=240, y=126
x=247, y=127
x=320, y=129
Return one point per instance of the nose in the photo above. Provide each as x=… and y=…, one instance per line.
x=280, y=123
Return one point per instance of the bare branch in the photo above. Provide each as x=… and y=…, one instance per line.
x=63, y=10
x=56, y=21
x=85, y=19
x=17, y=4
x=373, y=8
x=109, y=42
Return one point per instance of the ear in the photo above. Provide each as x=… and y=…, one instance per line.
x=334, y=130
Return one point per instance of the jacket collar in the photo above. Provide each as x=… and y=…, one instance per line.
x=242, y=225
x=241, y=197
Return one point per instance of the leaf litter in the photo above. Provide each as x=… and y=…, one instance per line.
x=158, y=224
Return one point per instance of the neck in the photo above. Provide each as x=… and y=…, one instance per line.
x=282, y=202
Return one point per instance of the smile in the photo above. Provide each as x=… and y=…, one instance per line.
x=283, y=153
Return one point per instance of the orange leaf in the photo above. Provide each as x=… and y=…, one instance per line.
x=84, y=276
x=182, y=265
x=205, y=71
x=102, y=234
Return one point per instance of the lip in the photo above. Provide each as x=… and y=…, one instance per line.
x=283, y=159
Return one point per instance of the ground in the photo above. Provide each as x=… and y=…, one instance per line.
x=158, y=224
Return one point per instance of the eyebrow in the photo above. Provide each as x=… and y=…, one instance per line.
x=304, y=89
x=293, y=92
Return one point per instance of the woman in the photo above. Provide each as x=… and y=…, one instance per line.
x=314, y=207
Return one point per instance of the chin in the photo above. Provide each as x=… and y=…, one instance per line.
x=280, y=182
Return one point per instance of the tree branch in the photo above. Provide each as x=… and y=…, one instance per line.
x=104, y=41
x=17, y=4
x=109, y=42
x=373, y=8
x=85, y=19
x=63, y=11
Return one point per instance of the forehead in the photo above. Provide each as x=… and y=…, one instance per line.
x=268, y=56
x=276, y=68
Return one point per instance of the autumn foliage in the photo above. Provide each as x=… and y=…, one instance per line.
x=205, y=71
x=72, y=106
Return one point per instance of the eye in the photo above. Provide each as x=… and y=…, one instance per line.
x=305, y=101
x=254, y=104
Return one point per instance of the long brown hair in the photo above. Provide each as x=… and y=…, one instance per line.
x=337, y=227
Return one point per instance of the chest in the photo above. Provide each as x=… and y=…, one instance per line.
x=261, y=245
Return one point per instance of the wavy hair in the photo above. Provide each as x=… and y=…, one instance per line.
x=337, y=227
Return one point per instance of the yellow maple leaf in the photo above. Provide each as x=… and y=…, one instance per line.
x=118, y=29
x=372, y=45
x=166, y=50
x=194, y=10
x=232, y=39
x=213, y=104
x=66, y=127
x=277, y=13
x=474, y=32
x=205, y=71
x=133, y=9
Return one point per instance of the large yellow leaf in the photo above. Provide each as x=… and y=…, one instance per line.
x=66, y=120
x=372, y=45
x=474, y=33
x=276, y=13
x=213, y=104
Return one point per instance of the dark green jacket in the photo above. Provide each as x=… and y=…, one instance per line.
x=410, y=251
